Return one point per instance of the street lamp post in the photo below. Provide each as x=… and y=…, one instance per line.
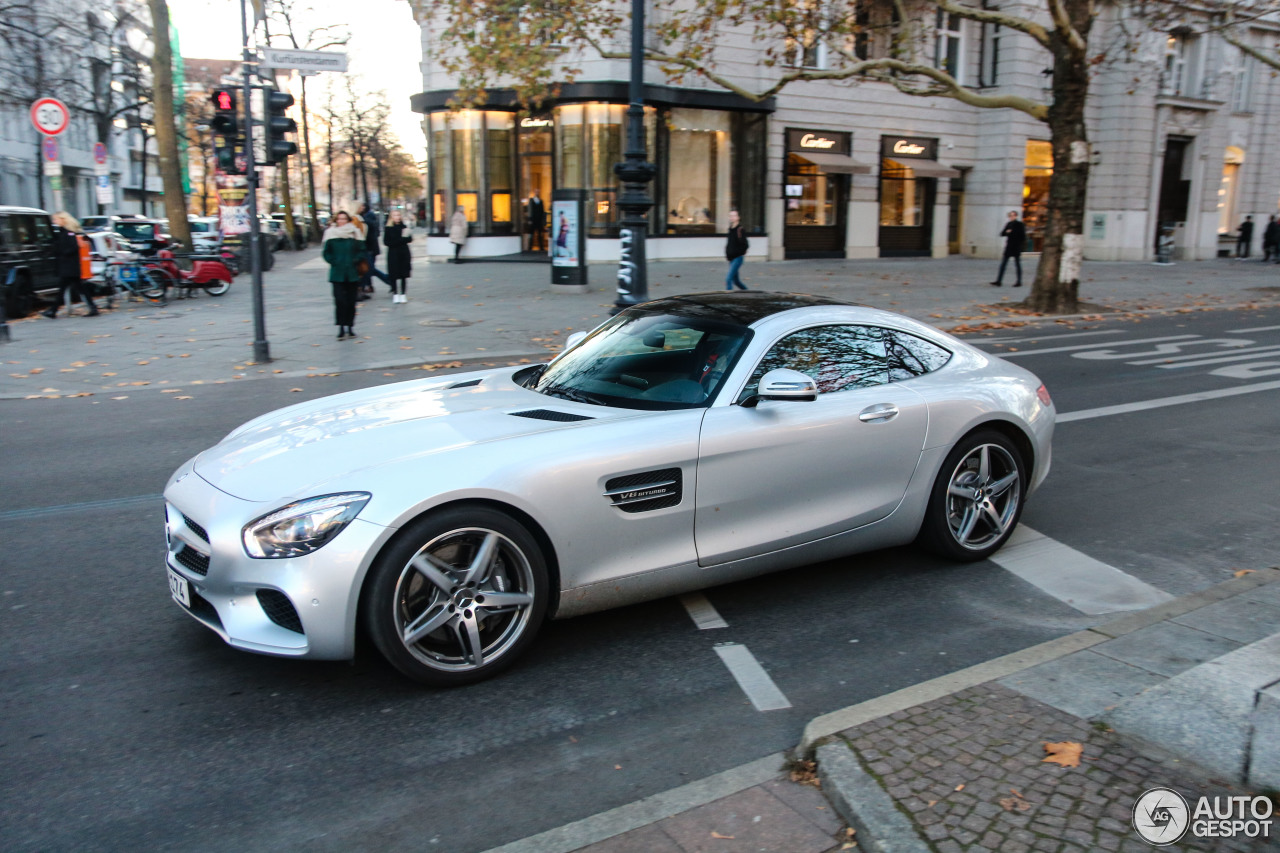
x=636, y=173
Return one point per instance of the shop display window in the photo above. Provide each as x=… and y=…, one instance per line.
x=902, y=196
x=500, y=207
x=1036, y=175
x=468, y=203
x=809, y=194
x=698, y=171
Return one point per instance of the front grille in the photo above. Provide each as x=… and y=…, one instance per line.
x=551, y=415
x=648, y=491
x=195, y=528
x=279, y=609
x=193, y=560
x=466, y=384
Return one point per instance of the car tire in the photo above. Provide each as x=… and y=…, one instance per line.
x=217, y=288
x=977, y=498
x=431, y=602
x=19, y=299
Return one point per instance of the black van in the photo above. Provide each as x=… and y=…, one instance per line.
x=28, y=267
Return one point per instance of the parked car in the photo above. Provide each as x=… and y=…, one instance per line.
x=95, y=223
x=28, y=266
x=686, y=442
x=205, y=233
x=273, y=234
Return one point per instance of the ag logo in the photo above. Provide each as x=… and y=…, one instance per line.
x=1161, y=816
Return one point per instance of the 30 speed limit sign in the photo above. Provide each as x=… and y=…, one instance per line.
x=50, y=116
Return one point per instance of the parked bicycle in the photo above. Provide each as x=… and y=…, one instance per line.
x=136, y=280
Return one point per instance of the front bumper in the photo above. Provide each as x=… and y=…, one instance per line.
x=302, y=607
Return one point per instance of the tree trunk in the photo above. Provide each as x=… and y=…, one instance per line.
x=311, y=174
x=1057, y=284
x=286, y=196
x=175, y=203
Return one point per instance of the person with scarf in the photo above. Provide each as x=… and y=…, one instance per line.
x=344, y=248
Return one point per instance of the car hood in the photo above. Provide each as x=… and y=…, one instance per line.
x=291, y=452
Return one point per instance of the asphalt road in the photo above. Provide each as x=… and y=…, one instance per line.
x=126, y=725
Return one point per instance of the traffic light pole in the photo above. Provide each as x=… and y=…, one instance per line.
x=261, y=348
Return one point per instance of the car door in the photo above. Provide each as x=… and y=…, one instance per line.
x=783, y=473
x=38, y=248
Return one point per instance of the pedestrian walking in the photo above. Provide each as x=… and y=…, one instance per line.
x=537, y=223
x=399, y=258
x=1245, y=239
x=1015, y=237
x=1271, y=241
x=72, y=263
x=345, y=252
x=458, y=232
x=372, y=249
x=735, y=251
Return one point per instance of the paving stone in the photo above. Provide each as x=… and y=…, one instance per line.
x=646, y=839
x=755, y=818
x=808, y=802
x=1166, y=648
x=1241, y=619
x=1084, y=684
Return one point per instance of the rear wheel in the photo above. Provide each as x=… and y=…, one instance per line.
x=156, y=284
x=458, y=597
x=19, y=300
x=217, y=288
x=977, y=498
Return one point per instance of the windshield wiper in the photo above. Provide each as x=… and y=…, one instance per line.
x=573, y=394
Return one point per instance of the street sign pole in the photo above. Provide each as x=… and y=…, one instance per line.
x=261, y=348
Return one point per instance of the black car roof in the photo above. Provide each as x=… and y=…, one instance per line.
x=735, y=307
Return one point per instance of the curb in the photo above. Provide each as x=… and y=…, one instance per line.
x=863, y=803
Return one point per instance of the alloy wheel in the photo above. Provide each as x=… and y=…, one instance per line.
x=983, y=496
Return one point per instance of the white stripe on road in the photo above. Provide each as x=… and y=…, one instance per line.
x=751, y=677
x=1047, y=350
x=1160, y=403
x=1223, y=359
x=1252, y=331
x=701, y=611
x=1076, y=579
x=1234, y=354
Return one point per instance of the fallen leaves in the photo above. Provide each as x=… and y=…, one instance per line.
x=1016, y=803
x=806, y=773
x=1239, y=573
x=715, y=834
x=1065, y=753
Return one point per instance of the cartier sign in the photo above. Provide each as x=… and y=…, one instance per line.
x=829, y=141
x=535, y=122
x=907, y=147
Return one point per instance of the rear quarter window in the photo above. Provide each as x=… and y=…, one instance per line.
x=910, y=356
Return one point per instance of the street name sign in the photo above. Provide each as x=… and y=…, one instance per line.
x=304, y=60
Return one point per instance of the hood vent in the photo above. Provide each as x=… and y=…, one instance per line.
x=549, y=415
x=466, y=384
x=648, y=491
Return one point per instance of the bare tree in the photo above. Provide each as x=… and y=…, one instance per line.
x=166, y=125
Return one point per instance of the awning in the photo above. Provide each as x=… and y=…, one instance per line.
x=929, y=169
x=837, y=163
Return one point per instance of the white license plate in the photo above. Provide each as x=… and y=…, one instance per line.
x=179, y=588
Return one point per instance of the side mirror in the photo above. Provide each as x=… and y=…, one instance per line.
x=784, y=384
x=569, y=343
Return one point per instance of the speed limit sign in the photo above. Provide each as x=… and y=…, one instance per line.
x=50, y=116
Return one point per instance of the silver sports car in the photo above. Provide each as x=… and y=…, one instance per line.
x=684, y=443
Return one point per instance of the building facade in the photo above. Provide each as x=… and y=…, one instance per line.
x=1182, y=128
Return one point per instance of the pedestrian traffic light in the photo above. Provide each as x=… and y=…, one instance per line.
x=228, y=132
x=277, y=125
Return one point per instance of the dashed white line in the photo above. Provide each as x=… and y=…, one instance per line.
x=751, y=677
x=1234, y=354
x=1077, y=579
x=703, y=614
x=1224, y=359
x=1161, y=402
x=1045, y=337
x=1253, y=331
x=1047, y=350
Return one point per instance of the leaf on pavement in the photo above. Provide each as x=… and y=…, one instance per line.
x=35, y=370
x=294, y=390
x=960, y=787
x=1239, y=573
x=1066, y=753
x=722, y=837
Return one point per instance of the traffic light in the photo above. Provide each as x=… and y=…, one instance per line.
x=277, y=124
x=228, y=133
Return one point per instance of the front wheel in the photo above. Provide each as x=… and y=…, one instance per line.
x=458, y=597
x=976, y=500
x=156, y=284
x=217, y=288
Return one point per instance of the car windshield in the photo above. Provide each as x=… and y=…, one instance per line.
x=643, y=360
x=136, y=230
x=200, y=227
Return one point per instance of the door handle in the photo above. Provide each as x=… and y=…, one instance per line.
x=879, y=413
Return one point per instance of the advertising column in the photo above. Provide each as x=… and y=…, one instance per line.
x=568, y=242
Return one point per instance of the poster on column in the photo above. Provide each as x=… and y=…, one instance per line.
x=564, y=228
x=233, y=204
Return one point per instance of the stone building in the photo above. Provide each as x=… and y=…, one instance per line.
x=1182, y=127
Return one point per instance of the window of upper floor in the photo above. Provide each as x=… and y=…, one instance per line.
x=1183, y=71
x=948, y=51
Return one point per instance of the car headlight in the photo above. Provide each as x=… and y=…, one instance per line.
x=302, y=527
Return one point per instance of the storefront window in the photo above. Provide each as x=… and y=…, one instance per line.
x=440, y=173
x=1035, y=191
x=468, y=203
x=466, y=150
x=902, y=196
x=569, y=144
x=606, y=125
x=810, y=195
x=498, y=134
x=1228, y=190
x=749, y=168
x=698, y=171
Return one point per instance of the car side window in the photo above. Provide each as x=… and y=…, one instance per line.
x=910, y=356
x=4, y=232
x=21, y=230
x=44, y=232
x=837, y=358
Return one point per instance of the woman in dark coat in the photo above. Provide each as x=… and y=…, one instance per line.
x=66, y=249
x=343, y=248
x=399, y=259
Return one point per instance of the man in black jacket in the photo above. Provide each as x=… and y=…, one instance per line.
x=1246, y=238
x=371, y=232
x=1015, y=237
x=735, y=251
x=66, y=249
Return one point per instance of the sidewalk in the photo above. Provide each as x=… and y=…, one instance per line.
x=497, y=313
x=962, y=762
